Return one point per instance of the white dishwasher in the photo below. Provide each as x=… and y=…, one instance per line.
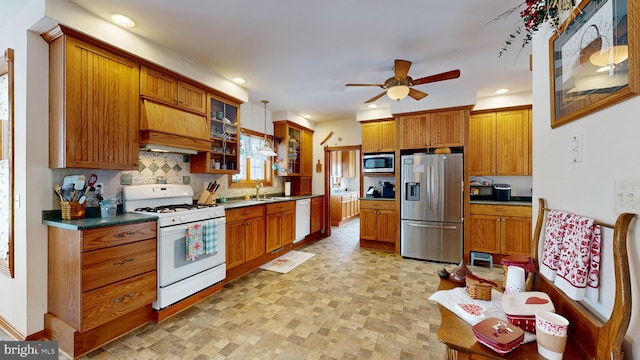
x=303, y=219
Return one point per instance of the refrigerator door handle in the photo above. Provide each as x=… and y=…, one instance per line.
x=446, y=227
x=434, y=196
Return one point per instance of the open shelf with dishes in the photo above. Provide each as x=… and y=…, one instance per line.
x=224, y=132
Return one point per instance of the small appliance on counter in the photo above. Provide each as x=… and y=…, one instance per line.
x=502, y=192
x=373, y=192
x=388, y=190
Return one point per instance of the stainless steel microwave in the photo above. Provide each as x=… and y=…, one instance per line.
x=378, y=163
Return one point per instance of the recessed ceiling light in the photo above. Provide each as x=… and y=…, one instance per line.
x=122, y=20
x=372, y=106
x=502, y=91
x=306, y=116
x=239, y=80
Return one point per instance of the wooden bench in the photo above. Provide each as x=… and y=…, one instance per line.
x=590, y=336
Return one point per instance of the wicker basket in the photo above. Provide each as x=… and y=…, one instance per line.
x=72, y=210
x=479, y=288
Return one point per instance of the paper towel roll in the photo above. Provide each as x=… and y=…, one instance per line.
x=287, y=188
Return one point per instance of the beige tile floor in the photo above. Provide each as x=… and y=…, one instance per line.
x=343, y=303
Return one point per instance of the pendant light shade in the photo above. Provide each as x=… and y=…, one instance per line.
x=610, y=56
x=266, y=149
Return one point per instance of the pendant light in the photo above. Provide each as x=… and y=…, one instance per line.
x=266, y=149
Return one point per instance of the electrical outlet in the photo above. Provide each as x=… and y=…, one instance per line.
x=576, y=148
x=100, y=186
x=627, y=196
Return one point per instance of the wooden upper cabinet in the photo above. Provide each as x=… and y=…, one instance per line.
x=94, y=106
x=500, y=143
x=434, y=129
x=512, y=151
x=306, y=162
x=167, y=89
x=482, y=144
x=379, y=136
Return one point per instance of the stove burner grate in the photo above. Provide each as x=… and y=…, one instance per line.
x=174, y=208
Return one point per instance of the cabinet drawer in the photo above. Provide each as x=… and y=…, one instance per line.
x=106, y=266
x=110, y=302
x=102, y=237
x=378, y=204
x=281, y=206
x=316, y=201
x=500, y=210
x=244, y=213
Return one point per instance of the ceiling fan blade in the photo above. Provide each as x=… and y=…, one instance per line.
x=380, y=85
x=417, y=94
x=401, y=68
x=375, y=98
x=453, y=74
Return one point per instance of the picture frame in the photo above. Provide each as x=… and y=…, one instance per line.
x=594, y=60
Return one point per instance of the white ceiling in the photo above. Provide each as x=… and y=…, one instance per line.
x=299, y=54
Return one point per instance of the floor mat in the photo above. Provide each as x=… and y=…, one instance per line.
x=287, y=262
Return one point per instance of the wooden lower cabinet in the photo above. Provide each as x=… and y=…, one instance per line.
x=281, y=225
x=344, y=207
x=101, y=284
x=500, y=229
x=379, y=225
x=245, y=235
x=316, y=214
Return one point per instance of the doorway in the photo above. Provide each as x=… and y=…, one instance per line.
x=342, y=184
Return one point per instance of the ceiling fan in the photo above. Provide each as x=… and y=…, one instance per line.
x=400, y=85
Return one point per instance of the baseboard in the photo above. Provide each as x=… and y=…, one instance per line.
x=17, y=335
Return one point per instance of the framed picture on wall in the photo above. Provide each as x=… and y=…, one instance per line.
x=593, y=59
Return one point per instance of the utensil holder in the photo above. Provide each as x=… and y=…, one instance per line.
x=72, y=210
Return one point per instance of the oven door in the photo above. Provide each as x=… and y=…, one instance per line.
x=172, y=263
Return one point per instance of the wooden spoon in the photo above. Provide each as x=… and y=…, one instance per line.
x=58, y=189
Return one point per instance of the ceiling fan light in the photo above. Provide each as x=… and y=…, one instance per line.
x=398, y=92
x=613, y=55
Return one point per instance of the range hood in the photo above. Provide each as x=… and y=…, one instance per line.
x=166, y=128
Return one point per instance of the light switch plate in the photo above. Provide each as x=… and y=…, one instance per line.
x=627, y=196
x=576, y=148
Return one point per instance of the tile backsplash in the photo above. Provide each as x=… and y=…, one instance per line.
x=154, y=168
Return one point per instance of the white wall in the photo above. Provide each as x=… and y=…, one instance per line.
x=346, y=132
x=610, y=151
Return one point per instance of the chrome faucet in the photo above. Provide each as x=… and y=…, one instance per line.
x=259, y=186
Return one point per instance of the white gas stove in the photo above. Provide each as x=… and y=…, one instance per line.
x=178, y=277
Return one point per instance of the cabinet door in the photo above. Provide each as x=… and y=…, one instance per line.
x=346, y=208
x=274, y=229
x=515, y=235
x=316, y=215
x=254, y=238
x=336, y=163
x=416, y=131
x=482, y=144
x=192, y=98
x=348, y=163
x=368, y=224
x=512, y=151
x=235, y=251
x=447, y=128
x=370, y=137
x=387, y=136
x=387, y=225
x=288, y=227
x=158, y=85
x=102, y=111
x=485, y=233
x=306, y=154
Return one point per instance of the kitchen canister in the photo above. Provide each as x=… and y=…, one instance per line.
x=515, y=282
x=287, y=188
x=108, y=207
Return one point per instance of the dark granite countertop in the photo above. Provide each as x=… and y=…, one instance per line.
x=93, y=219
x=239, y=203
x=377, y=198
x=515, y=200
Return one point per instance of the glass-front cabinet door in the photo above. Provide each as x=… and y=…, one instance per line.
x=224, y=130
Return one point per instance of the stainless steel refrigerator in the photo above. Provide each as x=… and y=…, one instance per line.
x=431, y=207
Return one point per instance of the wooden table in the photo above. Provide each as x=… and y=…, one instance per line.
x=461, y=344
